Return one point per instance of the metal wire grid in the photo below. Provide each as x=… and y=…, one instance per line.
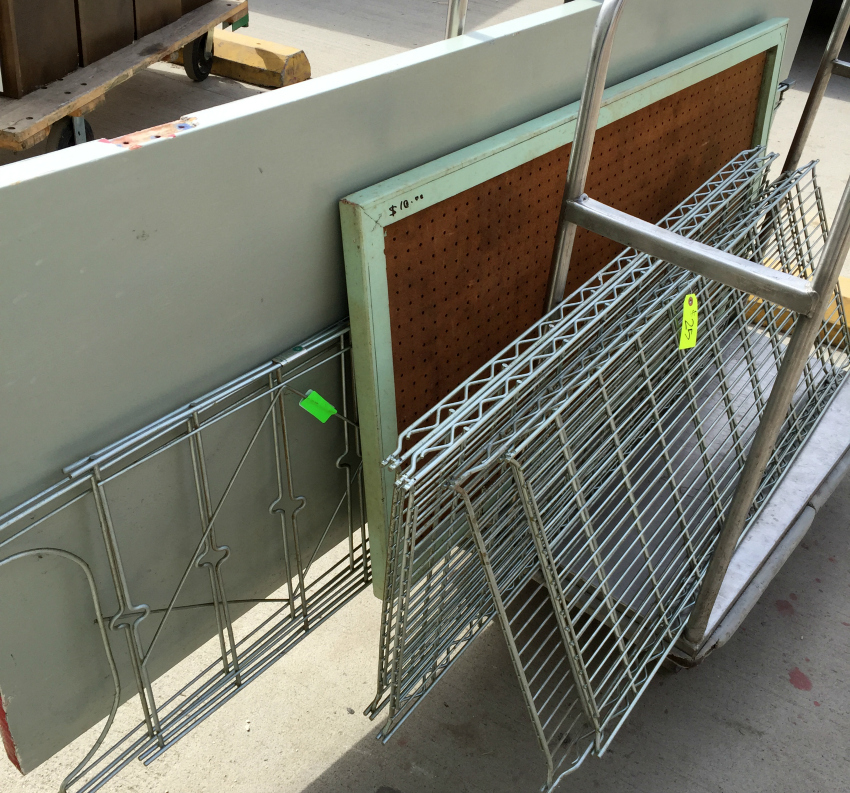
x=548, y=677
x=529, y=624
x=437, y=597
x=802, y=220
x=625, y=475
x=313, y=592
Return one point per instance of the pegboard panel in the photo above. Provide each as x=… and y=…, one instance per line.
x=468, y=274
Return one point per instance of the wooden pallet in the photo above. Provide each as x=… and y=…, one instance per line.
x=27, y=121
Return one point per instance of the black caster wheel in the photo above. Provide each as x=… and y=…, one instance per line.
x=196, y=61
x=62, y=134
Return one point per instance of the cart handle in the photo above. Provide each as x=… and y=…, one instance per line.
x=765, y=282
x=808, y=299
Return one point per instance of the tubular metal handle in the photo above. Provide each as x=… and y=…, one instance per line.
x=829, y=63
x=456, y=19
x=588, y=115
x=809, y=300
x=725, y=268
x=795, y=294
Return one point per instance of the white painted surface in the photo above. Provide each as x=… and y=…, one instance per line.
x=134, y=280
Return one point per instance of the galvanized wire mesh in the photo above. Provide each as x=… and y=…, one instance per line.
x=597, y=447
x=246, y=443
x=433, y=572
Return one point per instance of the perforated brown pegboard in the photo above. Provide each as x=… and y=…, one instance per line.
x=469, y=274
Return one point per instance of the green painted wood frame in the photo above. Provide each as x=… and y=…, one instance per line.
x=365, y=215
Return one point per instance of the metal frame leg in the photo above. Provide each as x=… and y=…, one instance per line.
x=456, y=19
x=773, y=417
x=829, y=63
x=79, y=123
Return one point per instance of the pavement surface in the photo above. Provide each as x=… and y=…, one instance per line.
x=770, y=711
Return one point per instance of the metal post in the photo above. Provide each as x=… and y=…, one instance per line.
x=796, y=356
x=725, y=268
x=588, y=116
x=829, y=63
x=79, y=124
x=456, y=19
x=579, y=210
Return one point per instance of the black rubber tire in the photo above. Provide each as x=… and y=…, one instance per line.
x=62, y=134
x=196, y=62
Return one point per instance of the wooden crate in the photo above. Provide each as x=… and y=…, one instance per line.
x=105, y=26
x=25, y=122
x=191, y=5
x=38, y=43
x=151, y=15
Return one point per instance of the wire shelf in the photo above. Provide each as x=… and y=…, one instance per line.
x=239, y=454
x=575, y=486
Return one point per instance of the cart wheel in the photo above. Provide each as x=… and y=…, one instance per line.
x=62, y=134
x=196, y=62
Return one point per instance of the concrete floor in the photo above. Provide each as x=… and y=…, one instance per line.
x=768, y=712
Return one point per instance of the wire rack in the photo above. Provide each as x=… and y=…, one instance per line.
x=251, y=419
x=453, y=586
x=595, y=458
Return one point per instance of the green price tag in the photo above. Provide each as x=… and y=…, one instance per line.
x=688, y=336
x=317, y=406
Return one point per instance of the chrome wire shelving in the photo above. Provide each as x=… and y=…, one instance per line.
x=575, y=487
x=441, y=543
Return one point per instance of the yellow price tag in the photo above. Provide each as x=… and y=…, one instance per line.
x=688, y=336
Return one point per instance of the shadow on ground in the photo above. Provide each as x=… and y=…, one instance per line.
x=411, y=23
x=768, y=712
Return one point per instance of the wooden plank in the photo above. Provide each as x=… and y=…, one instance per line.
x=255, y=61
x=661, y=135
x=22, y=120
x=37, y=137
x=83, y=110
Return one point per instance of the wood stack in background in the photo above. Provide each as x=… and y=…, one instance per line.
x=104, y=26
x=44, y=40
x=152, y=15
x=191, y=5
x=38, y=43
